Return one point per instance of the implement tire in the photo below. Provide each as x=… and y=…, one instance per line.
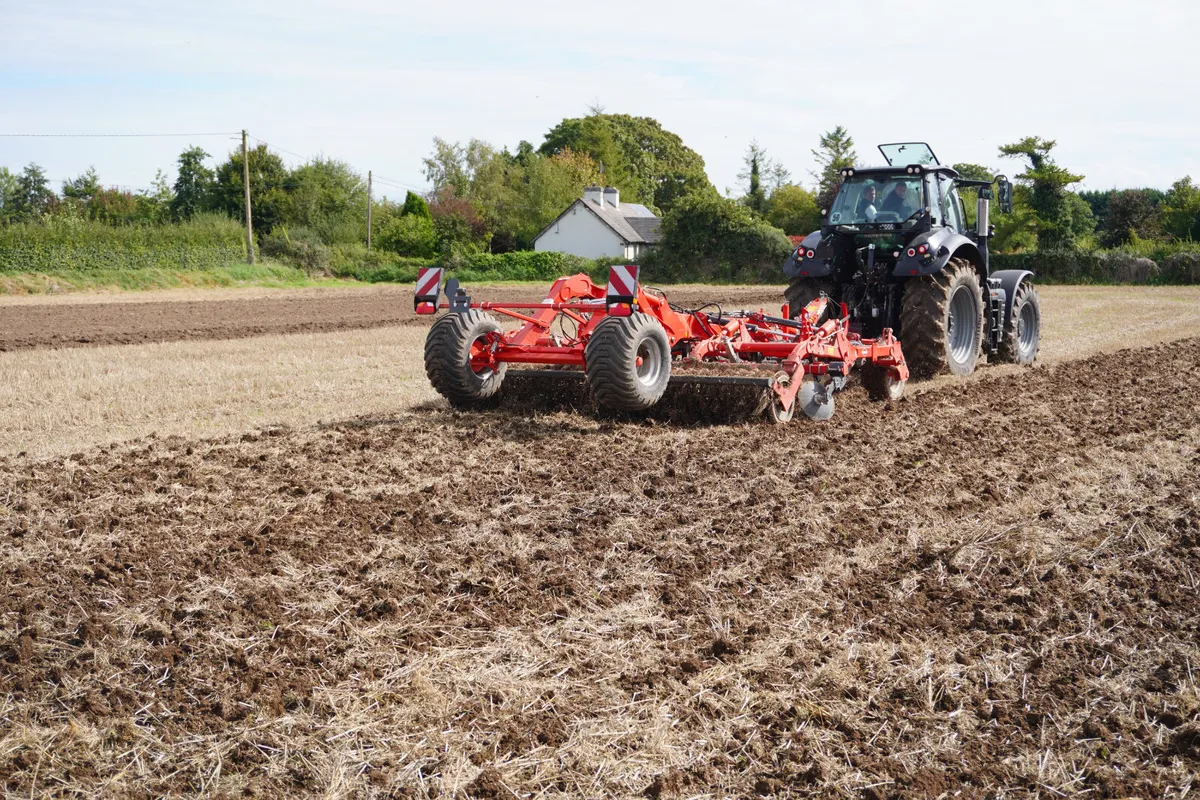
x=448, y=359
x=941, y=321
x=802, y=291
x=1023, y=331
x=612, y=355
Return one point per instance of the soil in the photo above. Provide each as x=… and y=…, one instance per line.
x=989, y=589
x=138, y=321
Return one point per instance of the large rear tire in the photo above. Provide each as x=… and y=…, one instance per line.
x=941, y=321
x=1023, y=331
x=802, y=291
x=448, y=349
x=628, y=362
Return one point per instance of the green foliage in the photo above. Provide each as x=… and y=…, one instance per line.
x=793, y=209
x=755, y=198
x=708, y=236
x=1048, y=183
x=648, y=164
x=8, y=192
x=410, y=235
x=83, y=187
x=835, y=153
x=329, y=198
x=64, y=244
x=268, y=195
x=302, y=248
x=1130, y=214
x=415, y=204
x=194, y=186
x=1181, y=210
x=31, y=197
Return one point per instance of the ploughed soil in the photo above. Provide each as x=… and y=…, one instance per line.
x=137, y=321
x=989, y=589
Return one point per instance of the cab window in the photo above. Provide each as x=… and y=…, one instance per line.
x=951, y=209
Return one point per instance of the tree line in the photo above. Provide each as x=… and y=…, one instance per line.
x=485, y=199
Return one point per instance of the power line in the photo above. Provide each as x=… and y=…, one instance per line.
x=107, y=135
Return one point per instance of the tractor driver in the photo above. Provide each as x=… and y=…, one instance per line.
x=897, y=201
x=866, y=204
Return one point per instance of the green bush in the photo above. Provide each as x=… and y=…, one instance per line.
x=707, y=237
x=73, y=244
x=374, y=266
x=302, y=248
x=411, y=235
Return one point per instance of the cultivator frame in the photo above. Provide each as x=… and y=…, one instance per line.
x=788, y=362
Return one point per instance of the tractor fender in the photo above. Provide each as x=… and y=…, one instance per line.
x=816, y=267
x=943, y=244
x=1010, y=280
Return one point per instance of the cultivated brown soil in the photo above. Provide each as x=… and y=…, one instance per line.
x=125, y=321
x=987, y=590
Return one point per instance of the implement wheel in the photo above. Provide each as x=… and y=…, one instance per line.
x=628, y=362
x=1023, y=331
x=451, y=343
x=941, y=321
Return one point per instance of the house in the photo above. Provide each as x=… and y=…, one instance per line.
x=598, y=225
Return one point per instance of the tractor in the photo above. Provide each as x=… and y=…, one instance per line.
x=895, y=250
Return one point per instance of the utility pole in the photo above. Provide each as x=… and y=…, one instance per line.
x=246, y=189
x=368, y=209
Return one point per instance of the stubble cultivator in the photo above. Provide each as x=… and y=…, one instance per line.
x=624, y=348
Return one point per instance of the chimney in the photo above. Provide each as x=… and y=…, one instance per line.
x=612, y=197
x=595, y=194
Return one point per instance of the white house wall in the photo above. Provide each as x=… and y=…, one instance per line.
x=581, y=233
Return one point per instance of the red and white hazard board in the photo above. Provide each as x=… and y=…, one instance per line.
x=623, y=283
x=429, y=286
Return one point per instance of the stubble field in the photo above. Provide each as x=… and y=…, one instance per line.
x=986, y=589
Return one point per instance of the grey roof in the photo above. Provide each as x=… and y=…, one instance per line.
x=647, y=228
x=634, y=223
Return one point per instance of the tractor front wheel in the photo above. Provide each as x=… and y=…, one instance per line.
x=941, y=321
x=1023, y=331
x=628, y=362
x=452, y=343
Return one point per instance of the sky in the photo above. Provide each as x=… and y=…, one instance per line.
x=371, y=82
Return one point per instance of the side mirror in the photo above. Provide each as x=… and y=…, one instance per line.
x=1004, y=194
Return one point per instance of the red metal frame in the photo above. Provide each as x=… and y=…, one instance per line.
x=578, y=305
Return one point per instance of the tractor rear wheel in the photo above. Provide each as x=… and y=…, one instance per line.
x=1023, y=331
x=628, y=362
x=451, y=343
x=802, y=291
x=941, y=321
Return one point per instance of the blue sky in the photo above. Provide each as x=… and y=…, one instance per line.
x=372, y=82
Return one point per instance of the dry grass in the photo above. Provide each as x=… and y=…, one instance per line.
x=62, y=401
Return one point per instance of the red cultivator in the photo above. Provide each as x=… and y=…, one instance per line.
x=632, y=346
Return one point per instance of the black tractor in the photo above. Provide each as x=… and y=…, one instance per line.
x=896, y=250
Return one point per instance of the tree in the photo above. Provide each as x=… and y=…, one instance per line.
x=32, y=196
x=647, y=163
x=1048, y=183
x=268, y=194
x=970, y=196
x=719, y=237
x=458, y=226
x=8, y=192
x=793, y=209
x=415, y=204
x=1181, y=210
x=758, y=165
x=84, y=187
x=194, y=186
x=327, y=197
x=1131, y=214
x=835, y=153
